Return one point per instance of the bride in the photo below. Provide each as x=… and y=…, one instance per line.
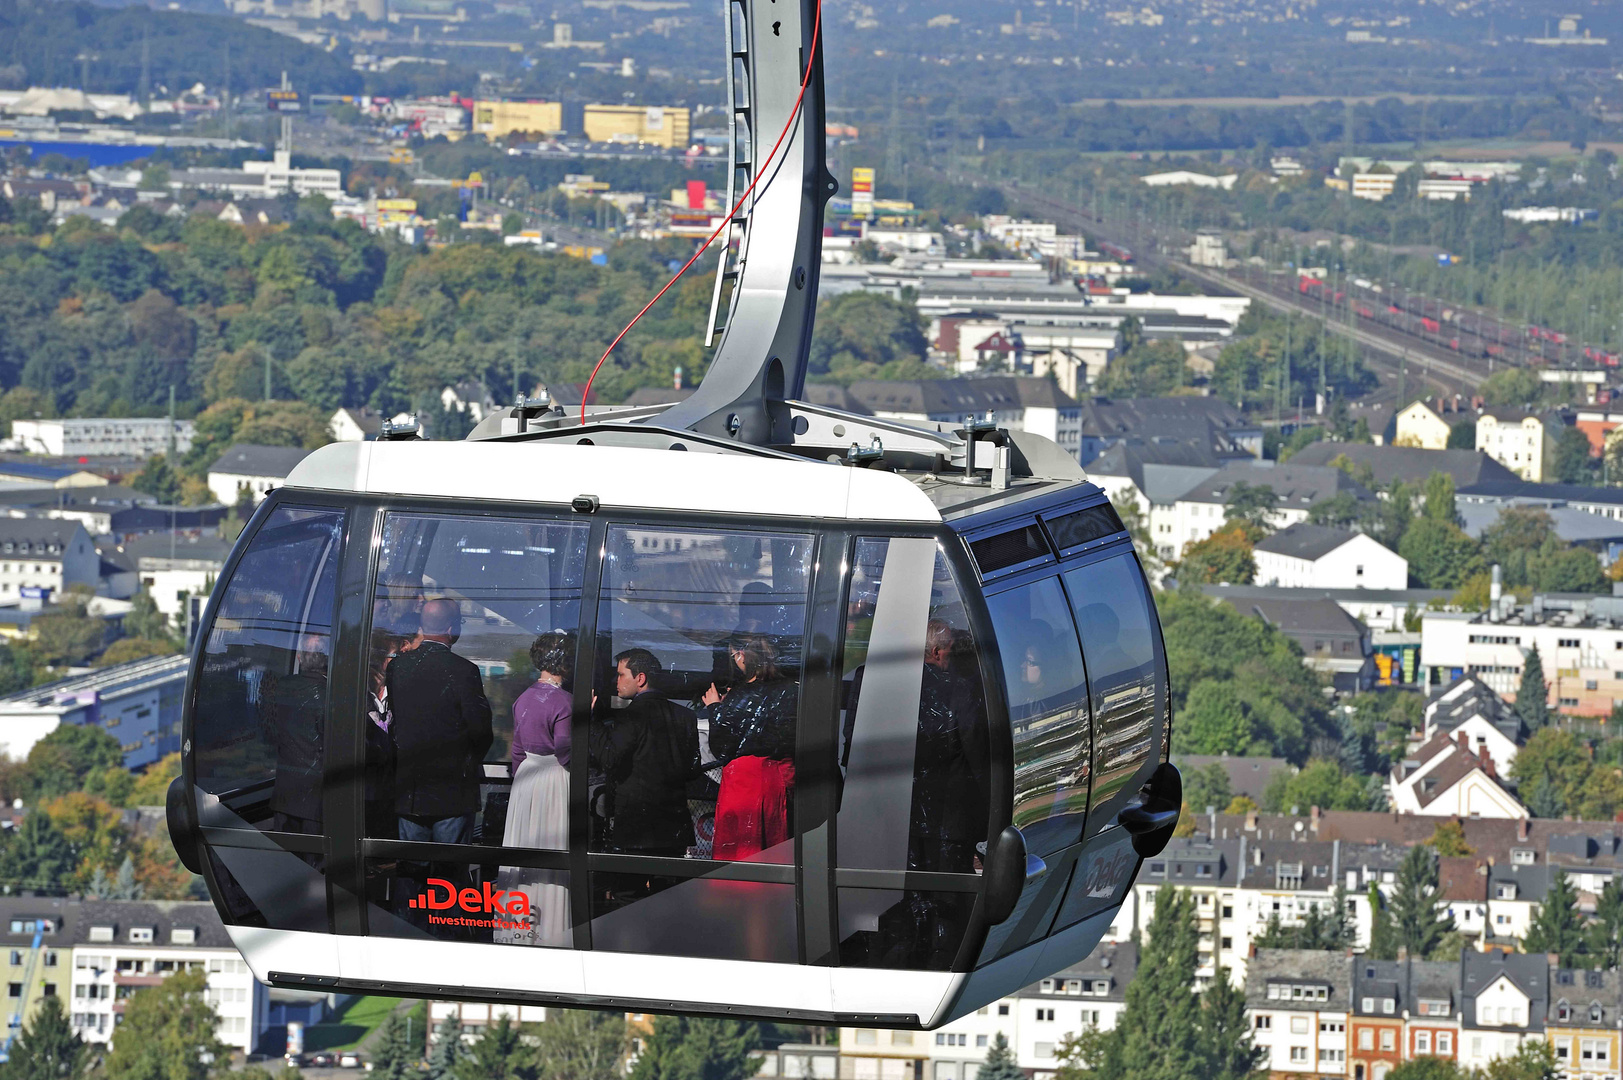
x=538, y=809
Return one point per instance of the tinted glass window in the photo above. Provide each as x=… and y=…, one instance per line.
x=1048, y=710
x=260, y=719
x=1085, y=526
x=1125, y=671
x=692, y=741
x=261, y=706
x=914, y=753
x=470, y=720
x=1009, y=548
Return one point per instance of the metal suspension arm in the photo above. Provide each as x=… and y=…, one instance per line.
x=761, y=359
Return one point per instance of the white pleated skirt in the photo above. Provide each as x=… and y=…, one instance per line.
x=538, y=817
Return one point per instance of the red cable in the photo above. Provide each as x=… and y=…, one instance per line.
x=794, y=114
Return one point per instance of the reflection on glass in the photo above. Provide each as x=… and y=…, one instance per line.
x=1117, y=623
x=692, y=744
x=473, y=631
x=474, y=904
x=261, y=703
x=701, y=917
x=914, y=711
x=1048, y=710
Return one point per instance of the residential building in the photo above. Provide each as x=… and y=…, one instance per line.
x=1606, y=502
x=795, y=1061
x=1375, y=1028
x=1582, y=1022
x=137, y=703
x=1384, y=611
x=1374, y=186
x=1180, y=177
x=46, y=557
x=1470, y=706
x=1035, y=1020
x=1306, y=556
x=1210, y=871
x=257, y=468
x=1108, y=422
x=1579, y=639
x=1183, y=504
x=94, y=954
x=1504, y=1002
x=1419, y=425
x=174, y=569
x=499, y=119
x=1332, y=641
x=39, y=474
x=1298, y=1003
x=1021, y=404
x=1522, y=441
x=655, y=125
x=102, y=436
x=1445, y=777
x=1248, y=776
x=355, y=425
x=1412, y=466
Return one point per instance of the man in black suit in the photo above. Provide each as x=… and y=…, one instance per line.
x=441, y=730
x=648, y=751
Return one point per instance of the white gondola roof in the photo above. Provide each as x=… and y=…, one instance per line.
x=620, y=477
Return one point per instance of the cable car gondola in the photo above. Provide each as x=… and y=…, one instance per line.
x=839, y=719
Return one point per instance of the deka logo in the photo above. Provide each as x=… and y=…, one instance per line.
x=474, y=901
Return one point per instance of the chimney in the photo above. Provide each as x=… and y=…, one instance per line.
x=1496, y=590
x=1251, y=821
x=1464, y=740
x=1485, y=760
x=1521, y=829
x=1554, y=959
x=1403, y=953
x=1313, y=818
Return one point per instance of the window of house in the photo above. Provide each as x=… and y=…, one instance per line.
x=1366, y=1039
x=1388, y=1039
x=1422, y=1042
x=14, y=990
x=980, y=1040
x=1445, y=1043
x=867, y=1037
x=1003, y=1010
x=1329, y=1057
x=1043, y=1049
x=140, y=935
x=1045, y=1014
x=1264, y=1022
x=901, y=1038
x=1298, y=1025
x=1367, y=1004
x=1389, y=1006
x=50, y=958
x=1298, y=1053
x=1228, y=911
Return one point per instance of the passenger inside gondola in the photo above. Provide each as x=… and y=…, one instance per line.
x=752, y=730
x=648, y=751
x=297, y=702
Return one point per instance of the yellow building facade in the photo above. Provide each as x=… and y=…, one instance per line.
x=498, y=119
x=655, y=125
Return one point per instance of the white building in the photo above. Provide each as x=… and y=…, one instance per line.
x=44, y=553
x=1471, y=706
x=1521, y=441
x=260, y=179
x=1446, y=778
x=355, y=425
x=170, y=569
x=137, y=437
x=1298, y=1002
x=137, y=703
x=1307, y=556
x=257, y=468
x=1193, y=179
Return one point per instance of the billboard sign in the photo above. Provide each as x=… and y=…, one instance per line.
x=862, y=193
x=286, y=101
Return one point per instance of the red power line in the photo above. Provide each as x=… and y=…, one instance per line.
x=794, y=114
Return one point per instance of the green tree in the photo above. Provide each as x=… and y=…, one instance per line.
x=395, y=1053
x=1532, y=694
x=1000, y=1062
x=1226, y=556
x=144, y=620
x=69, y=635
x=1419, y=917
x=158, y=479
x=447, y=1050
x=1448, y=840
x=1606, y=932
x=1437, y=500
x=1158, y=1035
x=579, y=1044
x=1534, y=1059
x=1429, y=1067
x=1226, y=1050
x=1383, y=931
x=1571, y=460
x=1252, y=506
x=1322, y=782
x=47, y=1048
x=61, y=761
x=38, y=857
x=1215, y=720
x=1440, y=555
x=125, y=650
x=1152, y=369
x=1207, y=787
x=866, y=335
x=1557, y=927
x=497, y=1054
x=1462, y=436
x=699, y=1048
x=167, y=1033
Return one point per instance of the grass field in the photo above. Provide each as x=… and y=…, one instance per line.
x=354, y=1023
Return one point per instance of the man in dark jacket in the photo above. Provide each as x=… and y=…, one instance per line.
x=648, y=751
x=441, y=730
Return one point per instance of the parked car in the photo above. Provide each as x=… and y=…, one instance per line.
x=349, y=1060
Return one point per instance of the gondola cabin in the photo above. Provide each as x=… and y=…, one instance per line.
x=967, y=694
